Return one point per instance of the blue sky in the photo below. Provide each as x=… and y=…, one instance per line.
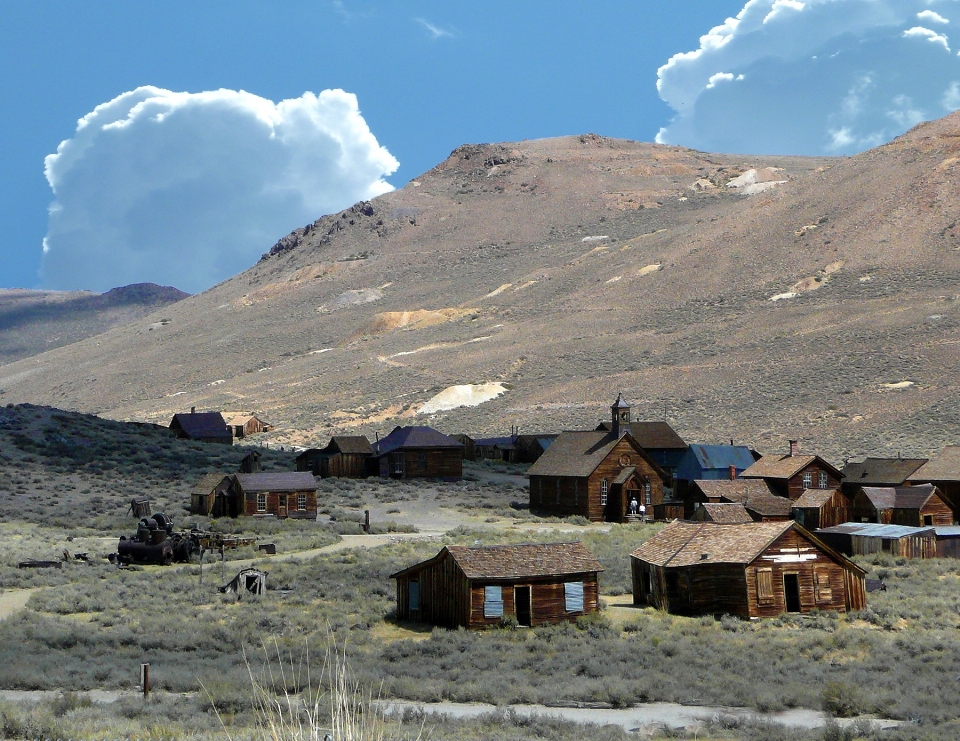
x=427, y=77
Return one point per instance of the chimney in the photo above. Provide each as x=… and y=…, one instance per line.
x=794, y=448
x=733, y=473
x=193, y=410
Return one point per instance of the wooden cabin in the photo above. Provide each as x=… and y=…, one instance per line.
x=948, y=541
x=755, y=495
x=501, y=448
x=660, y=441
x=280, y=495
x=595, y=474
x=477, y=587
x=346, y=456
x=207, y=427
x=418, y=452
x=818, y=508
x=864, y=539
x=790, y=475
x=244, y=425
x=761, y=569
x=878, y=472
x=943, y=471
x=912, y=506
x=725, y=513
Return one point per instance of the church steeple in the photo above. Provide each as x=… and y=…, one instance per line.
x=620, y=415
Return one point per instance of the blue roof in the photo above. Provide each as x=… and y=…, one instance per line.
x=715, y=458
x=947, y=531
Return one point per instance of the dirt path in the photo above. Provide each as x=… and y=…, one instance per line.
x=13, y=600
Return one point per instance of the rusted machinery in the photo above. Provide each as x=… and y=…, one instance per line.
x=156, y=542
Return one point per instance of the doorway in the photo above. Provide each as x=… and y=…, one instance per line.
x=282, y=506
x=521, y=597
x=791, y=592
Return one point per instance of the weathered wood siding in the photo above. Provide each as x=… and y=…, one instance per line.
x=444, y=595
x=345, y=466
x=428, y=463
x=835, y=511
x=560, y=496
x=273, y=505
x=935, y=508
x=609, y=469
x=794, y=488
x=547, y=598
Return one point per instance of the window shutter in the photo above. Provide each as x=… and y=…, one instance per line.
x=492, y=602
x=765, y=586
x=573, y=594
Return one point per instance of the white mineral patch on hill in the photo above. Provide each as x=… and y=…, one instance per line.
x=896, y=386
x=598, y=238
x=648, y=269
x=757, y=181
x=466, y=395
x=356, y=297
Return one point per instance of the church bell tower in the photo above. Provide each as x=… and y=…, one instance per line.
x=620, y=415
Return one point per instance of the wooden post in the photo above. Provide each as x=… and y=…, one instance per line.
x=145, y=679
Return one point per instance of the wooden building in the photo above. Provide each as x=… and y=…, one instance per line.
x=912, y=506
x=469, y=446
x=948, y=541
x=761, y=569
x=595, y=474
x=755, y=495
x=790, y=475
x=207, y=427
x=714, y=462
x=476, y=587
x=530, y=447
x=864, y=539
x=818, y=508
x=878, y=472
x=418, y=452
x=280, y=495
x=244, y=425
x=725, y=513
x=346, y=456
x=501, y=448
x=660, y=441
x=943, y=471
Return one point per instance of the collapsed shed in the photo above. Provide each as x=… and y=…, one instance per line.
x=865, y=538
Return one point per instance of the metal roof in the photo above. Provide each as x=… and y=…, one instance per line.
x=876, y=530
x=947, y=531
x=713, y=457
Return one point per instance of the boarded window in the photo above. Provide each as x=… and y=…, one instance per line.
x=414, y=595
x=821, y=583
x=573, y=594
x=261, y=502
x=492, y=602
x=765, y=586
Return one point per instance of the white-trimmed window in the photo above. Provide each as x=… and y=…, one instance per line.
x=807, y=480
x=261, y=502
x=823, y=480
x=604, y=492
x=302, y=502
x=647, y=494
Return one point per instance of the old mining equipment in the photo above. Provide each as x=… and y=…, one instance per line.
x=155, y=542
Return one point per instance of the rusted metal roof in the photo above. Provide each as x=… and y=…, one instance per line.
x=881, y=471
x=281, y=481
x=899, y=497
x=945, y=466
x=688, y=543
x=516, y=561
x=413, y=437
x=725, y=513
x=651, y=435
x=753, y=494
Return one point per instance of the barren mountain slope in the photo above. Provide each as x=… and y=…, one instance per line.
x=32, y=322
x=491, y=268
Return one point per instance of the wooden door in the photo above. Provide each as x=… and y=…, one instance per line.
x=282, y=506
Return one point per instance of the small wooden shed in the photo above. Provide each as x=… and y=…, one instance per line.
x=346, y=456
x=761, y=569
x=948, y=541
x=477, y=587
x=818, y=508
x=244, y=425
x=902, y=505
x=865, y=538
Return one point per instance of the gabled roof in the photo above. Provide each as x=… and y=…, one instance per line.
x=516, y=561
x=726, y=513
x=350, y=444
x=625, y=475
x=688, y=543
x=876, y=530
x=283, y=481
x=784, y=466
x=201, y=424
x=651, y=435
x=714, y=457
x=235, y=418
x=578, y=454
x=945, y=466
x=753, y=494
x=413, y=437
x=898, y=497
x=814, y=498
x=881, y=471
x=501, y=442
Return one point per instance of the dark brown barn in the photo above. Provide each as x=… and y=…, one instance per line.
x=726, y=513
x=207, y=427
x=536, y=584
x=789, y=475
x=754, y=494
x=865, y=538
x=244, y=425
x=418, y=452
x=912, y=506
x=757, y=570
x=346, y=456
x=943, y=471
x=281, y=495
x=818, y=508
x=878, y=472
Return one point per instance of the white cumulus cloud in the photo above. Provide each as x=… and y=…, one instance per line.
x=813, y=76
x=187, y=189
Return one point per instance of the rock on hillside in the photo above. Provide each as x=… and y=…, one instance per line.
x=33, y=322
x=567, y=270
